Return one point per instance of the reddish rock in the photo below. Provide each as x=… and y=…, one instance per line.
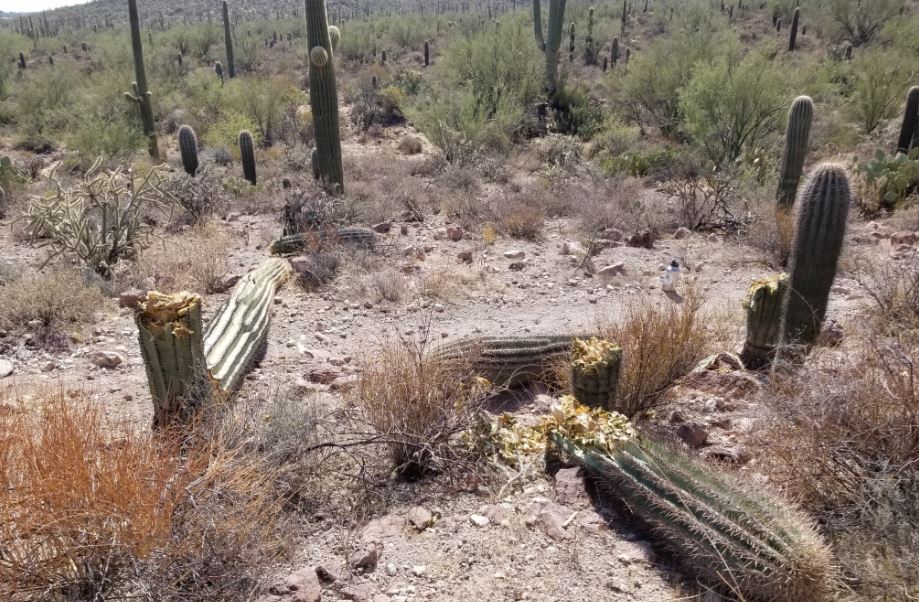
x=465, y=256
x=366, y=556
x=324, y=375
x=300, y=586
x=132, y=298
x=455, y=233
x=693, y=433
x=569, y=487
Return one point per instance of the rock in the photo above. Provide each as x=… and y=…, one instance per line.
x=612, y=271
x=419, y=570
x=465, y=256
x=414, y=252
x=517, y=266
x=478, y=520
x=331, y=573
x=693, y=433
x=736, y=454
x=300, y=586
x=6, y=368
x=713, y=238
x=132, y=298
x=569, y=487
x=344, y=383
x=385, y=527
x=455, y=233
x=358, y=592
x=514, y=254
x=366, y=556
x=644, y=240
x=324, y=375
x=420, y=518
x=105, y=359
x=613, y=234
x=681, y=232
x=226, y=283
x=315, y=354
x=903, y=238
x=403, y=229
x=635, y=552
x=572, y=247
x=498, y=514
x=553, y=519
x=382, y=227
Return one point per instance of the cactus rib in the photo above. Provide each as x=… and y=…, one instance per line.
x=509, y=361
x=324, y=97
x=188, y=147
x=247, y=154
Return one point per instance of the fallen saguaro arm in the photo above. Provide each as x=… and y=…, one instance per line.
x=187, y=366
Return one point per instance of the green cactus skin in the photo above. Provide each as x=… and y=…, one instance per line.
x=510, y=361
x=142, y=96
x=793, y=31
x=314, y=155
x=594, y=384
x=170, y=335
x=910, y=118
x=238, y=333
x=625, y=13
x=352, y=236
x=427, y=54
x=614, y=51
x=571, y=44
x=740, y=540
x=228, y=40
x=188, y=147
x=797, y=139
x=383, y=57
x=820, y=226
x=590, y=50
x=764, y=321
x=247, y=153
x=324, y=99
x=550, y=44
x=22, y=61
x=218, y=69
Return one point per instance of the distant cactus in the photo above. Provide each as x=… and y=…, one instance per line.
x=218, y=69
x=550, y=43
x=228, y=41
x=510, y=361
x=179, y=59
x=793, y=31
x=188, y=147
x=141, y=95
x=910, y=117
x=797, y=139
x=427, y=54
x=22, y=61
x=614, y=52
x=247, y=153
x=735, y=537
x=590, y=44
x=820, y=225
x=383, y=57
x=324, y=97
x=848, y=53
x=595, y=372
x=764, y=304
x=571, y=44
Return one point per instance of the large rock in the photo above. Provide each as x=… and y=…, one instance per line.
x=366, y=556
x=105, y=359
x=300, y=586
x=6, y=368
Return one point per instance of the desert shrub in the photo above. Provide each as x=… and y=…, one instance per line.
x=201, y=195
x=387, y=284
x=518, y=218
x=889, y=179
x=659, y=345
x=198, y=260
x=374, y=107
x=224, y=133
x=894, y=292
x=706, y=196
x=614, y=138
x=576, y=113
x=410, y=145
x=57, y=297
x=8, y=48
x=878, y=80
x=859, y=21
x=733, y=103
x=417, y=404
x=558, y=151
x=263, y=101
x=654, y=161
x=44, y=103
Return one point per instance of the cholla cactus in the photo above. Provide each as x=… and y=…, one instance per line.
x=188, y=147
x=247, y=153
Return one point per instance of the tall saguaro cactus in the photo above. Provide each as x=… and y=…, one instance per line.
x=793, y=32
x=324, y=96
x=910, y=118
x=551, y=42
x=820, y=226
x=142, y=96
x=797, y=139
x=228, y=40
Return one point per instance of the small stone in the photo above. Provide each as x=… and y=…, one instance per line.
x=478, y=520
x=612, y=271
x=226, y=283
x=572, y=247
x=903, y=238
x=455, y=233
x=403, y=229
x=300, y=586
x=344, y=383
x=382, y=227
x=552, y=518
x=366, y=557
x=643, y=239
x=569, y=487
x=105, y=359
x=681, y=232
x=131, y=298
x=6, y=368
x=465, y=256
x=517, y=266
x=514, y=254
x=419, y=570
x=414, y=252
x=420, y=518
x=324, y=375
x=693, y=433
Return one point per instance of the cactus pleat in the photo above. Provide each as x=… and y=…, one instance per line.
x=910, y=117
x=142, y=96
x=509, y=361
x=353, y=236
x=551, y=43
x=228, y=40
x=324, y=97
x=764, y=320
x=820, y=226
x=188, y=147
x=734, y=537
x=236, y=335
x=170, y=335
x=793, y=33
x=595, y=372
x=797, y=139
x=247, y=153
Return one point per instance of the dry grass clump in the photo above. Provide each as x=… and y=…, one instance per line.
x=659, y=345
x=200, y=196
x=620, y=203
x=417, y=404
x=57, y=297
x=410, y=145
x=894, y=291
x=519, y=219
x=197, y=260
x=91, y=513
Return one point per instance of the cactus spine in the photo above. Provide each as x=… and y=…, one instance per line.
x=722, y=530
x=820, y=226
x=324, y=98
x=793, y=31
x=228, y=40
x=247, y=153
x=188, y=147
x=551, y=43
x=142, y=96
x=797, y=138
x=910, y=118
x=509, y=361
x=595, y=372
x=764, y=321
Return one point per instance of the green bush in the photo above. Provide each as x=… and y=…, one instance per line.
x=264, y=101
x=859, y=21
x=44, y=102
x=224, y=133
x=576, y=113
x=889, y=179
x=614, y=138
x=654, y=161
x=878, y=81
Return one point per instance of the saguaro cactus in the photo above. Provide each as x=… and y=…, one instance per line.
x=571, y=43
x=595, y=372
x=793, y=31
x=142, y=96
x=550, y=44
x=590, y=44
x=910, y=118
x=737, y=538
x=614, y=51
x=188, y=147
x=509, y=360
x=247, y=153
x=218, y=69
x=764, y=304
x=820, y=225
x=797, y=138
x=427, y=53
x=324, y=96
x=228, y=40
x=22, y=61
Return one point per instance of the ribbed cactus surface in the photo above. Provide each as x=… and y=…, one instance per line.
x=595, y=372
x=509, y=361
x=793, y=32
x=820, y=226
x=738, y=539
x=797, y=139
x=237, y=334
x=188, y=147
x=324, y=97
x=910, y=117
x=351, y=236
x=228, y=40
x=247, y=154
x=614, y=51
x=550, y=43
x=763, y=304
x=141, y=95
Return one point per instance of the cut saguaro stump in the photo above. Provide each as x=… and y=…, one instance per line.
x=595, y=372
x=764, y=321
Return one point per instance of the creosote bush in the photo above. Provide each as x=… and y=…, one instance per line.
x=59, y=297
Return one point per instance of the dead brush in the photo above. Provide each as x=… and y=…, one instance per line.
x=894, y=291
x=418, y=404
x=522, y=220
x=92, y=511
x=659, y=345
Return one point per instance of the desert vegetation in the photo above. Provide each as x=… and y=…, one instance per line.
x=391, y=301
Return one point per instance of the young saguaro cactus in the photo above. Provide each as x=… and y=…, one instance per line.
x=22, y=61
x=141, y=95
x=793, y=31
x=910, y=118
x=571, y=43
x=595, y=372
x=218, y=69
x=764, y=304
x=590, y=45
x=820, y=225
x=228, y=40
x=509, y=361
x=552, y=41
x=614, y=51
x=247, y=153
x=736, y=538
x=188, y=147
x=324, y=96
x=797, y=139
x=427, y=53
